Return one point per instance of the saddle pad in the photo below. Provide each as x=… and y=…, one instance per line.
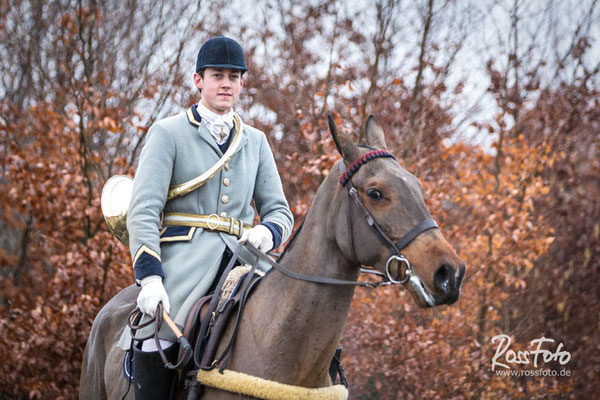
x=233, y=280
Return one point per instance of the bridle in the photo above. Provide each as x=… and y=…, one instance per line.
x=395, y=247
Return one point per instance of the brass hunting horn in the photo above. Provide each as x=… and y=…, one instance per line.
x=116, y=193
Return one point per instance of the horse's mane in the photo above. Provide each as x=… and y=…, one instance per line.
x=289, y=245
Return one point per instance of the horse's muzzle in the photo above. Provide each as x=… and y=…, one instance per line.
x=447, y=281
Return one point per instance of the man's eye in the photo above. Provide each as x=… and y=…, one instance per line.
x=374, y=194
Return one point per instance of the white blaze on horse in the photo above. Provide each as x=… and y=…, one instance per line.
x=368, y=211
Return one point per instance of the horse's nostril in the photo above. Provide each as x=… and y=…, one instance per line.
x=443, y=279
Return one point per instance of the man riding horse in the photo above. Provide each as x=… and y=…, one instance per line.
x=368, y=211
x=178, y=264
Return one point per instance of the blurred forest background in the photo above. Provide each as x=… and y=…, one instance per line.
x=493, y=104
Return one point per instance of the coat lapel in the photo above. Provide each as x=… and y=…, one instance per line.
x=202, y=131
x=243, y=142
x=205, y=135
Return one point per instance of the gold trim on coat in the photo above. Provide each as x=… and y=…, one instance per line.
x=189, y=186
x=145, y=249
x=279, y=224
x=211, y=222
x=178, y=238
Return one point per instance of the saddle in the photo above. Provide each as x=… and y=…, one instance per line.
x=206, y=343
x=208, y=319
x=232, y=297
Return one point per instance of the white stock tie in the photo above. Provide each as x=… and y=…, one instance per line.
x=218, y=125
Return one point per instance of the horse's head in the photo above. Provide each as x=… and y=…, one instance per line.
x=402, y=224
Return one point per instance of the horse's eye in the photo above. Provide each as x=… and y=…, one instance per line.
x=374, y=194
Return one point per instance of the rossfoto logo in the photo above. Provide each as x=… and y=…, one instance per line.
x=542, y=351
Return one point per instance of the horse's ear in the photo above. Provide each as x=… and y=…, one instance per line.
x=333, y=131
x=374, y=133
x=344, y=145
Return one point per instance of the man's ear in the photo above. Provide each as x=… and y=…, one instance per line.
x=346, y=147
x=374, y=133
x=198, y=80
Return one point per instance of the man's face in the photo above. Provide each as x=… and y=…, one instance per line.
x=220, y=88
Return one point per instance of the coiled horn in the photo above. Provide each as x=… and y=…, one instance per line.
x=116, y=195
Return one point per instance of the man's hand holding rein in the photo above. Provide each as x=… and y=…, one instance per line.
x=260, y=237
x=153, y=291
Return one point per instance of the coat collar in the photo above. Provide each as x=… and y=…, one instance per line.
x=195, y=120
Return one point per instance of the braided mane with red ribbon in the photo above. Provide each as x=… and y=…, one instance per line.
x=352, y=169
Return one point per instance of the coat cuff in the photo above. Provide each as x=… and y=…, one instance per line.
x=276, y=232
x=145, y=263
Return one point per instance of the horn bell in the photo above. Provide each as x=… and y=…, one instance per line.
x=116, y=195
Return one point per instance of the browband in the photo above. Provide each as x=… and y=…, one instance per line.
x=355, y=166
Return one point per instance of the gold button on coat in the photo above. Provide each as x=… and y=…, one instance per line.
x=226, y=181
x=225, y=199
x=227, y=167
x=224, y=214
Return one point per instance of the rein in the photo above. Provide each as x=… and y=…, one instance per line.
x=311, y=278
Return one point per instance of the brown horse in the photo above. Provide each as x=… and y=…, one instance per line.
x=290, y=328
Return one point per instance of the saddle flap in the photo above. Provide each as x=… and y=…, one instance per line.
x=229, y=299
x=192, y=322
x=220, y=322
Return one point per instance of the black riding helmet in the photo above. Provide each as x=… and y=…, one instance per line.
x=221, y=52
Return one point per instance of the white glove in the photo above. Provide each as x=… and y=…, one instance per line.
x=153, y=291
x=260, y=237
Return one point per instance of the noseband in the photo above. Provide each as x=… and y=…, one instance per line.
x=395, y=247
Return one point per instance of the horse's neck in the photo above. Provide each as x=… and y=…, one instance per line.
x=308, y=318
x=316, y=253
x=326, y=306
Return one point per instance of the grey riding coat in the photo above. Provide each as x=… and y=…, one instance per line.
x=178, y=149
